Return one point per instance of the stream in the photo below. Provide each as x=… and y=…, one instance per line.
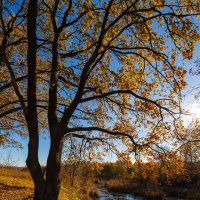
x=107, y=195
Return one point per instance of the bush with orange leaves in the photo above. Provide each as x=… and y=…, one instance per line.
x=168, y=168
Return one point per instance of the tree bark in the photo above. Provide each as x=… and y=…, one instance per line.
x=31, y=115
x=37, y=176
x=53, y=169
x=47, y=189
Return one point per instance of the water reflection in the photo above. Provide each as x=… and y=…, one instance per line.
x=106, y=195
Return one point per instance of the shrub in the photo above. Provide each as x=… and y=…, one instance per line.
x=94, y=194
x=151, y=194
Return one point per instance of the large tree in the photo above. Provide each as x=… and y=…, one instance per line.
x=93, y=70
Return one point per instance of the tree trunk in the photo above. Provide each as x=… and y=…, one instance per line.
x=35, y=168
x=37, y=176
x=31, y=115
x=53, y=169
x=46, y=189
x=39, y=189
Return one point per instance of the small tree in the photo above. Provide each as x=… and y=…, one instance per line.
x=8, y=160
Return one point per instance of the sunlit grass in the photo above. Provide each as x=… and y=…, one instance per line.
x=81, y=189
x=15, y=184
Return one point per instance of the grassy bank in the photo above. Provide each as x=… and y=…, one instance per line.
x=16, y=184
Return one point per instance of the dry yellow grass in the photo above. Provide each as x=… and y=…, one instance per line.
x=15, y=184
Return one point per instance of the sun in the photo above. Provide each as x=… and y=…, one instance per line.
x=194, y=110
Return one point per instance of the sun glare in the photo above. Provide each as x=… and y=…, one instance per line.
x=194, y=110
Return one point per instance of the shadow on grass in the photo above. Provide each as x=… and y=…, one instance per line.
x=9, y=187
x=20, y=192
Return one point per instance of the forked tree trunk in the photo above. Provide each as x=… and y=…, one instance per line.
x=47, y=188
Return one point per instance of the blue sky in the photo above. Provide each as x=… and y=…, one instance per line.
x=19, y=155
